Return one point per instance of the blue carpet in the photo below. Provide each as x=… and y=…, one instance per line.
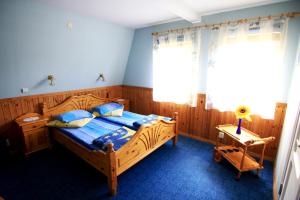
x=184, y=172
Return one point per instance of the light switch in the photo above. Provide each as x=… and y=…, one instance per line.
x=69, y=25
x=24, y=90
x=221, y=135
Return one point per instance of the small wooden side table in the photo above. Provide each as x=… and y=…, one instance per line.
x=238, y=156
x=32, y=127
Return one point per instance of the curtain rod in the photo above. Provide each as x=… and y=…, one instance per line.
x=244, y=20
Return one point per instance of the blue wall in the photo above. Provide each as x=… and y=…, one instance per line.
x=139, y=66
x=35, y=42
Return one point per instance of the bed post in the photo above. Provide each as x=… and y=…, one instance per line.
x=175, y=138
x=112, y=174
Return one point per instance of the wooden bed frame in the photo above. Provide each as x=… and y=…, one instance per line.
x=113, y=163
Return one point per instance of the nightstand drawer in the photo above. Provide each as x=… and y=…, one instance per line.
x=33, y=126
x=36, y=140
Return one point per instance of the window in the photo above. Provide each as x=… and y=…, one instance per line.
x=175, y=67
x=246, y=67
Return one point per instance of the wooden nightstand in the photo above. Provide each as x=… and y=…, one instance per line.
x=34, y=132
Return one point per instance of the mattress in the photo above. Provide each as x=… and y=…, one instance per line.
x=87, y=134
x=127, y=119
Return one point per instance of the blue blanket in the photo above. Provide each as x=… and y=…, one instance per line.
x=127, y=119
x=134, y=120
x=88, y=133
x=148, y=119
x=118, y=138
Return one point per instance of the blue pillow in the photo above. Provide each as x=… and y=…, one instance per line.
x=74, y=115
x=109, y=109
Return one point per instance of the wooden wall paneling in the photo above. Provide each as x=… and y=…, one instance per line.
x=196, y=122
x=11, y=109
x=134, y=102
x=149, y=102
x=6, y=112
x=206, y=121
x=36, y=102
x=129, y=92
x=199, y=127
x=120, y=92
x=193, y=121
x=212, y=121
x=1, y=116
x=18, y=107
x=140, y=98
x=22, y=107
x=184, y=115
x=3, y=122
x=200, y=123
x=163, y=111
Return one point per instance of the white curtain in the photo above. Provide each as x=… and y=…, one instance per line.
x=175, y=67
x=246, y=66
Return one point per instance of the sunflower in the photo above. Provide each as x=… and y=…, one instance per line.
x=243, y=112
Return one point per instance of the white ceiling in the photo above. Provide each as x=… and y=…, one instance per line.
x=141, y=13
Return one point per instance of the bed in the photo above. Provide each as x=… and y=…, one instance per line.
x=112, y=163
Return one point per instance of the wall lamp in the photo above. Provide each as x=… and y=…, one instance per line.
x=101, y=77
x=51, y=80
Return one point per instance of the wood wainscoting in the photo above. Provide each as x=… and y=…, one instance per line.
x=199, y=123
x=11, y=108
x=195, y=122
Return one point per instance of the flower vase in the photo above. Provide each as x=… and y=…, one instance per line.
x=238, y=130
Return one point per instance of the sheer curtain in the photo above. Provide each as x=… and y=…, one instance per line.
x=175, y=67
x=246, y=66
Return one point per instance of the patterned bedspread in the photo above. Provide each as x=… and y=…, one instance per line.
x=118, y=138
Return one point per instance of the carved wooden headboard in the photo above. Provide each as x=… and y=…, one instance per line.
x=82, y=102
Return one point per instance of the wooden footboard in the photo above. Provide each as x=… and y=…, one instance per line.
x=147, y=139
